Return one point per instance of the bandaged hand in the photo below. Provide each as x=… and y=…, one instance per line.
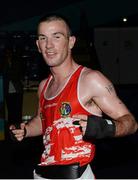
x=81, y=120
x=95, y=127
x=17, y=131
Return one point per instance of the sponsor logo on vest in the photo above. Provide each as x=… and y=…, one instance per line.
x=65, y=109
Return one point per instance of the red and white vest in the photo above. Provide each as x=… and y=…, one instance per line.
x=63, y=141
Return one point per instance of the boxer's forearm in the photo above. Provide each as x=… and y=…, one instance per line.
x=125, y=125
x=34, y=127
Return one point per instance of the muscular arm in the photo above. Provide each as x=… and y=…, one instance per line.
x=34, y=127
x=102, y=92
x=125, y=125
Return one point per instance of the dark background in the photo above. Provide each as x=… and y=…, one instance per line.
x=115, y=158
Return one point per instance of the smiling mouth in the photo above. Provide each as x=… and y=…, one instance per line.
x=50, y=53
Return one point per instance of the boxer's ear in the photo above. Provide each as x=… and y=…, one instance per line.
x=72, y=40
x=38, y=47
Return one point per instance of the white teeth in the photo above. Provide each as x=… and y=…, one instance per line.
x=50, y=53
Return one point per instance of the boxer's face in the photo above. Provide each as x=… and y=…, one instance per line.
x=54, y=42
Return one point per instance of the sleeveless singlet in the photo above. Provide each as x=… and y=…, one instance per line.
x=63, y=141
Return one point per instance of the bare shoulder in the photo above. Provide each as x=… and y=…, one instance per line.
x=94, y=76
x=96, y=81
x=41, y=86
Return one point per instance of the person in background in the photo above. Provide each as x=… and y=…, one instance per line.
x=72, y=101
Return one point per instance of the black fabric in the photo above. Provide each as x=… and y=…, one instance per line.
x=14, y=102
x=71, y=171
x=99, y=128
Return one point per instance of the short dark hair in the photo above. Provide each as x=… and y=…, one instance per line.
x=54, y=16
